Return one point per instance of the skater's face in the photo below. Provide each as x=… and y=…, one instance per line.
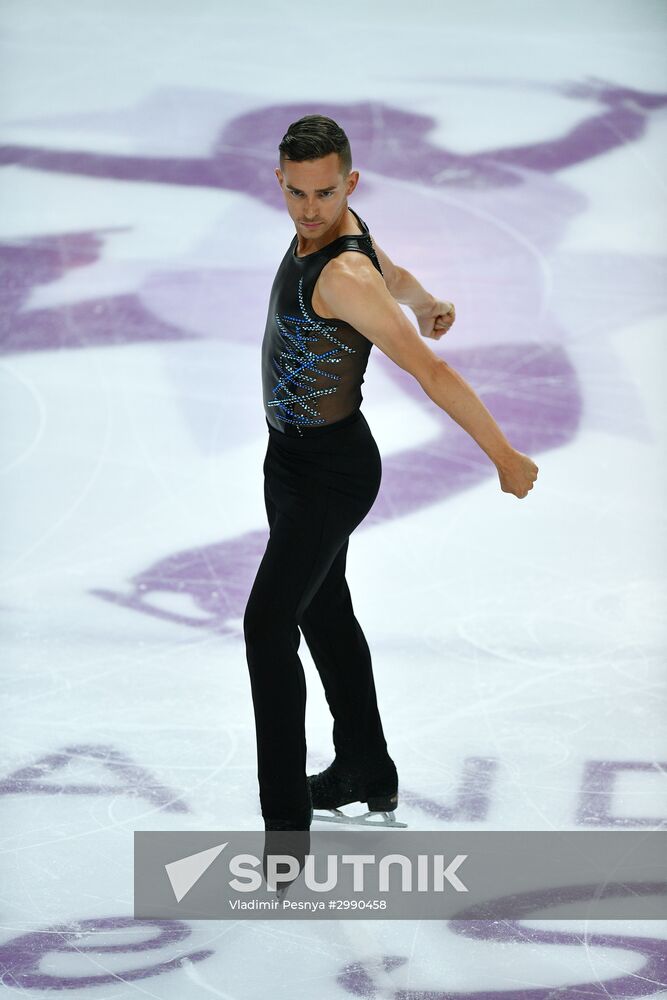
x=315, y=192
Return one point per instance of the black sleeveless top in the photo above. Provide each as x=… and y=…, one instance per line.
x=312, y=368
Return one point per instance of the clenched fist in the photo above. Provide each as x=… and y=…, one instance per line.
x=435, y=320
x=517, y=473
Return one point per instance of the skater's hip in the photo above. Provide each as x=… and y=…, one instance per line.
x=343, y=465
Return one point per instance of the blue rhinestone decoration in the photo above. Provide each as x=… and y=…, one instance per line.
x=299, y=365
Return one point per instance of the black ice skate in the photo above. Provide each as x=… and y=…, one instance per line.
x=293, y=844
x=339, y=786
x=289, y=837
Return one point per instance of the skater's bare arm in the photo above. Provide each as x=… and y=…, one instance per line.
x=434, y=316
x=353, y=290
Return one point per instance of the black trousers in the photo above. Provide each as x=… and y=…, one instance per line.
x=317, y=489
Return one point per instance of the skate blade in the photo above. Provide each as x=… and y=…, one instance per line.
x=363, y=819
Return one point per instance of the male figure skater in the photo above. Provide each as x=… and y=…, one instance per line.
x=335, y=294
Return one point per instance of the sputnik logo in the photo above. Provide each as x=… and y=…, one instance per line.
x=186, y=872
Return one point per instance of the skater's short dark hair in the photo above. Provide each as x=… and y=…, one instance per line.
x=313, y=137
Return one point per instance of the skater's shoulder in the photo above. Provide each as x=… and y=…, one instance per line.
x=348, y=277
x=352, y=264
x=348, y=266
